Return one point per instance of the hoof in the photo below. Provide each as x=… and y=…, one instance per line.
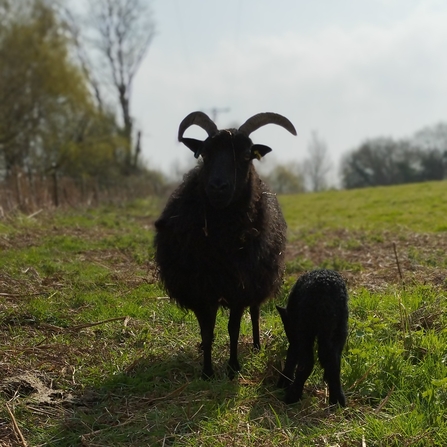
x=233, y=369
x=207, y=375
x=292, y=396
x=232, y=373
x=340, y=400
x=284, y=382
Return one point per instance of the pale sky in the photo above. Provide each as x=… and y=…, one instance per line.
x=349, y=69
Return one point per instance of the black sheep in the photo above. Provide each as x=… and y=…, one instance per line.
x=221, y=237
x=317, y=308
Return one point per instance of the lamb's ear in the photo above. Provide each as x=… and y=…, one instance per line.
x=259, y=150
x=283, y=314
x=195, y=145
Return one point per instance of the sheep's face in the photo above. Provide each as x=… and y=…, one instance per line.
x=227, y=154
x=226, y=158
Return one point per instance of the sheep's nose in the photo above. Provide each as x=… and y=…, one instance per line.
x=219, y=186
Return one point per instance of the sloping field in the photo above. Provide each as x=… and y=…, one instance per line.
x=92, y=352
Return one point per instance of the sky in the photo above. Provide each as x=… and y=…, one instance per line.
x=348, y=69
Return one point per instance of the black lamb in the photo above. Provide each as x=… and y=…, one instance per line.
x=221, y=237
x=317, y=308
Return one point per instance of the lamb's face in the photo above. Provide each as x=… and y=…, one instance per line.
x=226, y=162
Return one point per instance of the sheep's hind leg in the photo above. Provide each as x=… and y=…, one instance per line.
x=254, y=314
x=330, y=359
x=207, y=320
x=234, y=325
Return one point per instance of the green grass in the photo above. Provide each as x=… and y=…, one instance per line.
x=82, y=313
x=420, y=207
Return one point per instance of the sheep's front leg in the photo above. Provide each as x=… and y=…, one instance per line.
x=287, y=374
x=234, y=325
x=254, y=314
x=305, y=363
x=207, y=320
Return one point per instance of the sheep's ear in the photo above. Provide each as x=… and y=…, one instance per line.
x=195, y=145
x=259, y=150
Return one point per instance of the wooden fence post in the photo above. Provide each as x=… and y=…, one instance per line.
x=55, y=186
x=19, y=188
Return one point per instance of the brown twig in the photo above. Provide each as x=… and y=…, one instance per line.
x=96, y=323
x=82, y=326
x=35, y=214
x=398, y=264
x=20, y=295
x=93, y=433
x=361, y=379
x=52, y=327
x=172, y=394
x=384, y=401
x=16, y=427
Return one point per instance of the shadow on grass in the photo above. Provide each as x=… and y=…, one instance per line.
x=153, y=402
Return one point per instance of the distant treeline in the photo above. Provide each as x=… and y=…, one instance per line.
x=377, y=161
x=385, y=161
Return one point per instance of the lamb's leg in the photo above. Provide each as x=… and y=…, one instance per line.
x=234, y=325
x=305, y=363
x=207, y=320
x=330, y=359
x=254, y=314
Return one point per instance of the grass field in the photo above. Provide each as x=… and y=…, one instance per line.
x=93, y=353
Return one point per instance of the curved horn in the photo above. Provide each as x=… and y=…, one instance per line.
x=199, y=119
x=261, y=119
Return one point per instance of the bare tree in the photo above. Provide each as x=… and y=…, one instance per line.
x=122, y=33
x=318, y=164
x=73, y=24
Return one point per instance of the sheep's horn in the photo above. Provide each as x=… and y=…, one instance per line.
x=199, y=119
x=261, y=119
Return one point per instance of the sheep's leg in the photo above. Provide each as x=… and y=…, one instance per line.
x=330, y=359
x=234, y=325
x=305, y=364
x=254, y=314
x=207, y=320
x=286, y=377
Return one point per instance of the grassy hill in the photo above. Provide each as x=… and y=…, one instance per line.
x=420, y=207
x=92, y=353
